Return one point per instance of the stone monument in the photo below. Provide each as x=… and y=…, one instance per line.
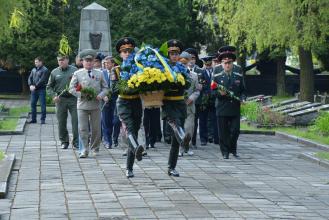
x=95, y=29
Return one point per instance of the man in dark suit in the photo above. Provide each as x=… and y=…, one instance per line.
x=108, y=107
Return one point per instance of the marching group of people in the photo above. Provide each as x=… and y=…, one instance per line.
x=210, y=102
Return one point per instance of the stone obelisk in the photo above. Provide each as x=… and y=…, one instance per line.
x=95, y=29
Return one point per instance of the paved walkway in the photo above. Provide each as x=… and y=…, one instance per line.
x=268, y=182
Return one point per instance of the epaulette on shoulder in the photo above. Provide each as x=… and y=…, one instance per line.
x=238, y=74
x=79, y=70
x=218, y=74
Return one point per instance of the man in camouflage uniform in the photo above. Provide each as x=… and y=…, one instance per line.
x=57, y=87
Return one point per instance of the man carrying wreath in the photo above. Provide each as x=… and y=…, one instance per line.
x=174, y=106
x=89, y=86
x=230, y=90
x=129, y=105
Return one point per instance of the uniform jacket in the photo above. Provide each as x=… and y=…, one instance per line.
x=59, y=80
x=95, y=80
x=227, y=106
x=39, y=77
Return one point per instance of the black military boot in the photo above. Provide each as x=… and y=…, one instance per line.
x=138, y=149
x=179, y=133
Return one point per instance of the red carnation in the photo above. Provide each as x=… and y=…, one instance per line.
x=78, y=87
x=213, y=85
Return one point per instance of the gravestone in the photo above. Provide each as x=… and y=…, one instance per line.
x=290, y=106
x=286, y=102
x=95, y=29
x=307, y=116
x=310, y=105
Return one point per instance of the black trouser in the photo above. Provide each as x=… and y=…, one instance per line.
x=151, y=116
x=130, y=112
x=229, y=130
x=166, y=130
x=196, y=123
x=174, y=149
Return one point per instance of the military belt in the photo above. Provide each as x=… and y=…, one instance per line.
x=173, y=98
x=129, y=96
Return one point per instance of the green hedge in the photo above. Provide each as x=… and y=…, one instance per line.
x=321, y=124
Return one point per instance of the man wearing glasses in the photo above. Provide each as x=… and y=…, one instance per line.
x=228, y=105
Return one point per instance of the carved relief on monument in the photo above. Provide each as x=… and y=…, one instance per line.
x=95, y=40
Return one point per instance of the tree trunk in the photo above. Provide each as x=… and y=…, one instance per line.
x=24, y=84
x=280, y=76
x=306, y=75
x=241, y=61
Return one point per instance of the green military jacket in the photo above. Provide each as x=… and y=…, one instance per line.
x=59, y=81
x=225, y=105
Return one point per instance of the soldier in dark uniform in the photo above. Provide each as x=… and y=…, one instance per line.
x=228, y=103
x=174, y=108
x=219, y=68
x=201, y=77
x=129, y=107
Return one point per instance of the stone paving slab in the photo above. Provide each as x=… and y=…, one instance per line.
x=268, y=182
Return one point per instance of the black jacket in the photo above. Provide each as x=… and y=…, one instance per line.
x=39, y=77
x=225, y=105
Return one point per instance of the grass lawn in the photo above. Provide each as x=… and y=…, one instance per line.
x=2, y=155
x=322, y=155
x=8, y=124
x=297, y=131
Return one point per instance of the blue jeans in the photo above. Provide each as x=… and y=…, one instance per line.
x=116, y=128
x=107, y=123
x=35, y=95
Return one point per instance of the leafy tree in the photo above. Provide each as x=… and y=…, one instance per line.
x=301, y=25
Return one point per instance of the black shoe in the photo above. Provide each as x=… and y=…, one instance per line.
x=152, y=146
x=129, y=174
x=139, y=153
x=173, y=172
x=236, y=155
x=225, y=156
x=116, y=144
x=147, y=146
x=43, y=122
x=31, y=121
x=64, y=145
x=203, y=143
x=210, y=140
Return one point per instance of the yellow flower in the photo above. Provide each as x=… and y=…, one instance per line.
x=130, y=85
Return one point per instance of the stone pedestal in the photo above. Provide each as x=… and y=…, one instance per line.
x=95, y=29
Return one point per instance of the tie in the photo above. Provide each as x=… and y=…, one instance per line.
x=89, y=73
